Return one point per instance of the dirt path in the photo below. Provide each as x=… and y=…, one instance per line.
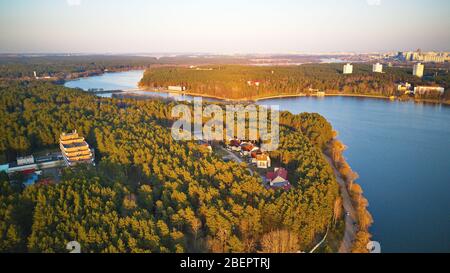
x=350, y=212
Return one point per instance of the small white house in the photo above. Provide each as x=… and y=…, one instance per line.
x=263, y=161
x=176, y=88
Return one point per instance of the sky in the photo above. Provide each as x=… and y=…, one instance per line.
x=228, y=26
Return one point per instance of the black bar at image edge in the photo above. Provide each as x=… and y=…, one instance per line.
x=217, y=262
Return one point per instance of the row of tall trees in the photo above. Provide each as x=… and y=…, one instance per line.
x=360, y=203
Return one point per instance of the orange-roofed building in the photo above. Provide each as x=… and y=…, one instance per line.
x=263, y=161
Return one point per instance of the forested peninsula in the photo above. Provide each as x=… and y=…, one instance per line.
x=149, y=193
x=240, y=82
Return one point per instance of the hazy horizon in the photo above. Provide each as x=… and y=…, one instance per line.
x=229, y=27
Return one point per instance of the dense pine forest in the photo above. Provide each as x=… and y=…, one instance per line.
x=149, y=193
x=251, y=82
x=14, y=67
x=73, y=66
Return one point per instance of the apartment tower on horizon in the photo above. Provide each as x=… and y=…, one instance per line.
x=377, y=68
x=348, y=69
x=418, y=70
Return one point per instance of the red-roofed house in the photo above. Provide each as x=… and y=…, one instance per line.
x=247, y=148
x=235, y=145
x=254, y=154
x=235, y=142
x=278, y=179
x=282, y=172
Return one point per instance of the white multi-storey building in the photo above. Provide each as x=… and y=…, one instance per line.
x=348, y=69
x=418, y=70
x=435, y=57
x=377, y=68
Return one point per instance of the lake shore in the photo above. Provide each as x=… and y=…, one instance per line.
x=357, y=218
x=74, y=76
x=350, y=230
x=282, y=96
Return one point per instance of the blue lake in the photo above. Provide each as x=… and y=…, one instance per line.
x=108, y=81
x=401, y=151
x=122, y=81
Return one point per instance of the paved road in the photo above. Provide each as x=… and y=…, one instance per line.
x=236, y=158
x=350, y=229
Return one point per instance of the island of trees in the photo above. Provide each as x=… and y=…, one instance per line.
x=149, y=193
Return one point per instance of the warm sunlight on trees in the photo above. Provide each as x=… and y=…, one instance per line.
x=280, y=241
x=149, y=193
x=337, y=211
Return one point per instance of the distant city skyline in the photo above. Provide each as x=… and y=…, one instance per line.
x=223, y=27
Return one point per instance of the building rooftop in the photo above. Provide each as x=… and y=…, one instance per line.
x=76, y=144
x=262, y=157
x=69, y=136
x=75, y=149
x=281, y=172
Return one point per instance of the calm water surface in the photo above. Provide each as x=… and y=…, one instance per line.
x=108, y=81
x=122, y=81
x=401, y=151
